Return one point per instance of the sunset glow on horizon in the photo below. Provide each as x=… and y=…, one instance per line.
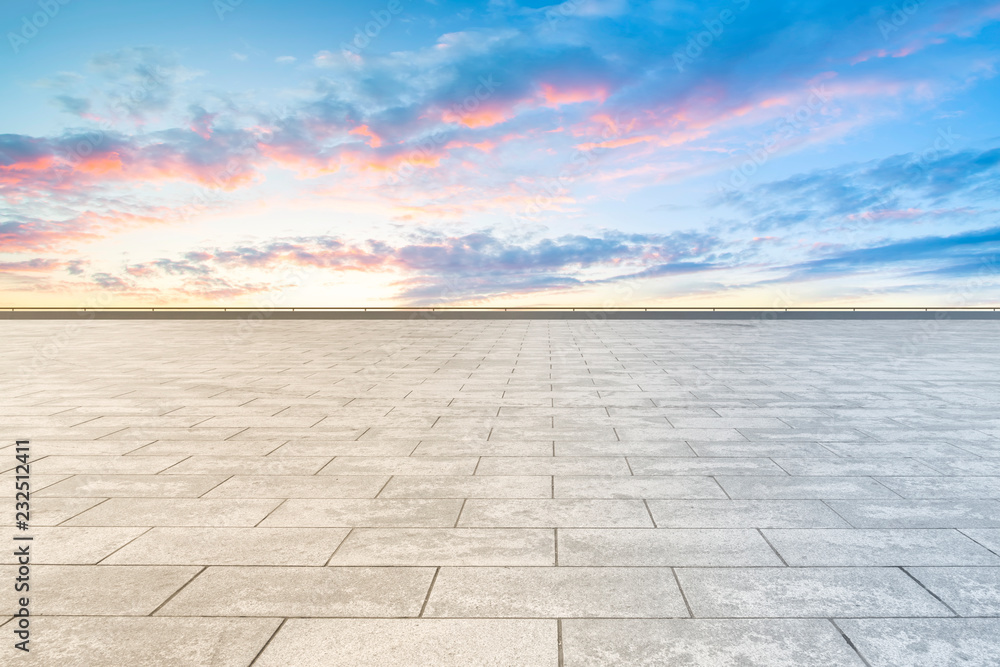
x=594, y=153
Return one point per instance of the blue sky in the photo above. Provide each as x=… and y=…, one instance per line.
x=591, y=153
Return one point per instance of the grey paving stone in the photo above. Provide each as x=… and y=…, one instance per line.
x=925, y=642
x=304, y=591
x=663, y=547
x=706, y=643
x=62, y=545
x=944, y=487
x=878, y=547
x=988, y=537
x=395, y=642
x=550, y=592
x=147, y=421
x=175, y=512
x=804, y=488
x=79, y=433
x=53, y=447
x=378, y=512
x=659, y=448
x=467, y=486
x=401, y=465
x=636, y=487
x=686, y=434
x=247, y=465
x=297, y=486
x=988, y=450
x=461, y=447
x=38, y=482
x=295, y=434
x=646, y=465
x=133, y=486
x=744, y=514
x=966, y=466
x=555, y=513
x=919, y=513
x=120, y=465
x=82, y=641
x=970, y=591
x=805, y=592
x=53, y=511
x=728, y=422
x=329, y=448
x=167, y=434
x=954, y=432
x=595, y=417
x=99, y=590
x=231, y=546
x=205, y=448
x=902, y=449
x=760, y=449
x=817, y=434
x=864, y=467
x=447, y=546
x=553, y=465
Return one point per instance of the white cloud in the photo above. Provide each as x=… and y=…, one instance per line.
x=324, y=58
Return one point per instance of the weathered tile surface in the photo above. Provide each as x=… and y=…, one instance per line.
x=797, y=592
x=304, y=591
x=474, y=492
x=447, y=546
x=231, y=546
x=396, y=642
x=119, y=641
x=706, y=643
x=878, y=546
x=744, y=514
x=970, y=591
x=664, y=546
x=928, y=642
x=100, y=590
x=547, y=592
x=555, y=513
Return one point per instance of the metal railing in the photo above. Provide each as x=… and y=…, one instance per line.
x=494, y=308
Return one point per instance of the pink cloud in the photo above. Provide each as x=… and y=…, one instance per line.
x=554, y=97
x=373, y=139
x=37, y=265
x=481, y=117
x=79, y=162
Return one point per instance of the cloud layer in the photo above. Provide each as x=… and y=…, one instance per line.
x=513, y=151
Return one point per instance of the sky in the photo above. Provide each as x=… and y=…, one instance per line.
x=594, y=153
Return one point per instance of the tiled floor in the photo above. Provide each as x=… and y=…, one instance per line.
x=501, y=492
